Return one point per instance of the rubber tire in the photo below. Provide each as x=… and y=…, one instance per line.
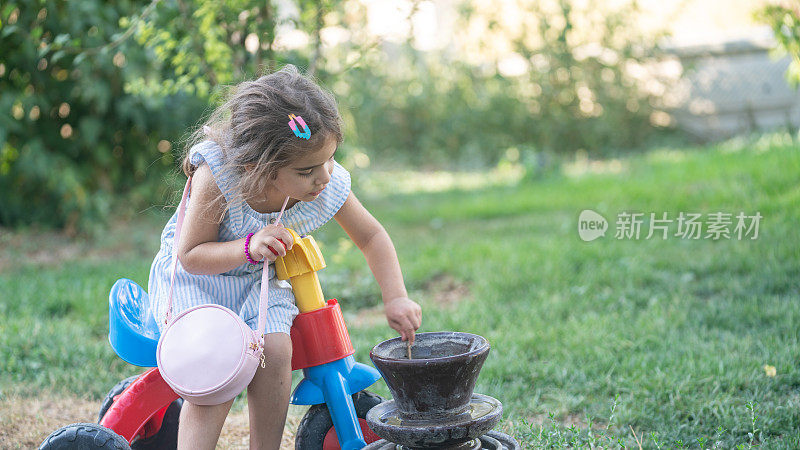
x=84, y=436
x=115, y=391
x=317, y=421
x=167, y=436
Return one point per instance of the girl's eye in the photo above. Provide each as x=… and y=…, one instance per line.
x=305, y=174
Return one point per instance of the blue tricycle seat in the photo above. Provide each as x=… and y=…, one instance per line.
x=132, y=328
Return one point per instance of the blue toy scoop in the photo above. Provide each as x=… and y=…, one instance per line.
x=132, y=329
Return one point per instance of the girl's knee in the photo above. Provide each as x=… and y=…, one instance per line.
x=200, y=425
x=278, y=349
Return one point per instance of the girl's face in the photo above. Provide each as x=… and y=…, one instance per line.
x=305, y=178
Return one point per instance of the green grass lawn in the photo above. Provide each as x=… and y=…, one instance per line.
x=603, y=343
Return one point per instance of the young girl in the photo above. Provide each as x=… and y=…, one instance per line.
x=244, y=162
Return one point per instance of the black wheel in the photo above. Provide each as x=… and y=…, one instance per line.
x=317, y=424
x=167, y=436
x=84, y=436
x=115, y=391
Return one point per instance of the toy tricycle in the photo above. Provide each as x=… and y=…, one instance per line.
x=142, y=411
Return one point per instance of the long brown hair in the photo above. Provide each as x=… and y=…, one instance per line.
x=252, y=129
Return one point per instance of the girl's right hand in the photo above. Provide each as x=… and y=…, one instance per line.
x=270, y=236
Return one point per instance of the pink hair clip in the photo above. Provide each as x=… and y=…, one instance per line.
x=306, y=133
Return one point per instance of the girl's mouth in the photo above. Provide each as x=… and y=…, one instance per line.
x=315, y=193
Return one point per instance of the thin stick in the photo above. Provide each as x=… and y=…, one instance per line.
x=636, y=437
x=408, y=346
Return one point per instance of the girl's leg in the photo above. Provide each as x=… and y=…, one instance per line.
x=199, y=426
x=268, y=393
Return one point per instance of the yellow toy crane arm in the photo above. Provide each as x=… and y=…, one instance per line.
x=300, y=266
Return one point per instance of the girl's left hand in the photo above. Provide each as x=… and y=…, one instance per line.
x=404, y=315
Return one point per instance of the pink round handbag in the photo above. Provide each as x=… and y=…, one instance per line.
x=208, y=354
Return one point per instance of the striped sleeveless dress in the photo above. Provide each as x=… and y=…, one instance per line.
x=239, y=289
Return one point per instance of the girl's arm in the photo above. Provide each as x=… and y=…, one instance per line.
x=199, y=251
x=403, y=314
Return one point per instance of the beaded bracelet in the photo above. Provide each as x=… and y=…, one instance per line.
x=247, y=249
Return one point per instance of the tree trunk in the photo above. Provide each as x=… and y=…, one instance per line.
x=268, y=23
x=316, y=55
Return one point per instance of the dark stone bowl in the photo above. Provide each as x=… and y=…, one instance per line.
x=439, y=379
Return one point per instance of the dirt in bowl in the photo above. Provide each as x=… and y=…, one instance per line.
x=430, y=346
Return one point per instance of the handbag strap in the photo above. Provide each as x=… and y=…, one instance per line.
x=263, y=296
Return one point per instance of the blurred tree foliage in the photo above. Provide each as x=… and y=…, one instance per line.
x=784, y=19
x=577, y=89
x=96, y=96
x=72, y=135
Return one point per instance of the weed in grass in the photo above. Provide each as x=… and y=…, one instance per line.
x=755, y=434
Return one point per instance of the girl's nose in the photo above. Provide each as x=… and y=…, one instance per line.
x=324, y=177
